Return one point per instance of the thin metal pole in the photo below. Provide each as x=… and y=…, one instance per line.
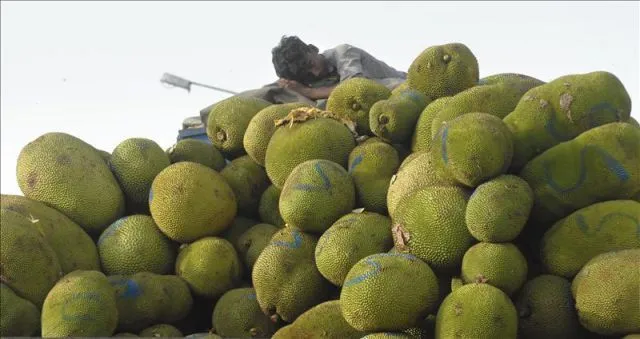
x=213, y=87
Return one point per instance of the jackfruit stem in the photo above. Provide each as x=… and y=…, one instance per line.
x=221, y=136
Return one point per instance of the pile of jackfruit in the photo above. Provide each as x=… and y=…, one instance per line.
x=451, y=206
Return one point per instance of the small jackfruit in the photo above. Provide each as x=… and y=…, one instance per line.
x=196, y=151
x=500, y=265
x=248, y=180
x=268, y=206
x=253, y=241
x=325, y=320
x=238, y=315
x=394, y=119
x=18, y=317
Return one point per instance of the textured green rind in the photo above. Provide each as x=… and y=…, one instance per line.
x=394, y=119
x=422, y=138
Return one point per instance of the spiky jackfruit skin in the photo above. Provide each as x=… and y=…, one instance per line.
x=497, y=99
x=413, y=95
x=285, y=276
x=353, y=99
x=238, y=315
x=189, y=201
x=197, y=151
x=135, y=162
x=59, y=162
x=81, y=304
x=564, y=108
x=351, y=238
x=248, y=180
x=228, y=121
x=499, y=209
x=422, y=138
x=499, y=265
x=443, y=70
x=239, y=225
x=144, y=299
x=268, y=206
x=473, y=148
x=253, y=241
x=29, y=264
x=318, y=138
x=73, y=246
x=429, y=223
x=501, y=78
x=546, y=309
x=599, y=228
x=325, y=320
x=371, y=165
x=261, y=128
x=405, y=290
x=600, y=164
x=477, y=311
x=607, y=294
x=161, y=331
x=394, y=119
x=312, y=184
x=632, y=121
x=18, y=317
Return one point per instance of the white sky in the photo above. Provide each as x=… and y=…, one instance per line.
x=92, y=69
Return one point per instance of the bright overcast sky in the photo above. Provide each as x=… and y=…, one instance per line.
x=92, y=69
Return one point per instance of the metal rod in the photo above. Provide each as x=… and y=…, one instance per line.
x=213, y=87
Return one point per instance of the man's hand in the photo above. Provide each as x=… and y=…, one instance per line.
x=294, y=86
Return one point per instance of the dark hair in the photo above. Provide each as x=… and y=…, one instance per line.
x=290, y=58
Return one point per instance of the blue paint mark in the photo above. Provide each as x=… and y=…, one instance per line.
x=297, y=241
x=323, y=176
x=376, y=267
x=150, y=195
x=326, y=183
x=582, y=224
x=551, y=127
x=70, y=310
x=131, y=288
x=612, y=165
x=252, y=296
x=584, y=227
x=355, y=163
x=445, y=134
x=305, y=187
x=111, y=229
x=603, y=107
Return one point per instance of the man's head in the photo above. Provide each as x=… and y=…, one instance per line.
x=295, y=60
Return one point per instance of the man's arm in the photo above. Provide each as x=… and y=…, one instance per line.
x=317, y=93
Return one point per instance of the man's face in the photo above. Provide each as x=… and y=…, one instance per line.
x=317, y=68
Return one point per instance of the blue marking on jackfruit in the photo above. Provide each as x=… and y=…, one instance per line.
x=377, y=267
x=326, y=183
x=551, y=128
x=296, y=243
x=72, y=312
x=252, y=296
x=602, y=107
x=130, y=289
x=150, y=195
x=443, y=147
x=325, y=179
x=111, y=229
x=584, y=226
x=357, y=161
x=611, y=163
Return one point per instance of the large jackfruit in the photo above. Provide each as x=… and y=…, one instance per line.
x=499, y=265
x=69, y=175
x=18, y=317
x=196, y=151
x=562, y=109
x=394, y=119
x=443, y=70
x=598, y=165
x=353, y=99
x=325, y=321
x=238, y=315
x=248, y=180
x=422, y=139
x=599, y=228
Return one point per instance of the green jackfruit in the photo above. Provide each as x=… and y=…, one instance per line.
x=261, y=128
x=477, y=311
x=501, y=78
x=351, y=238
x=473, y=148
x=18, y=317
x=81, y=304
x=499, y=209
x=189, y=201
x=456, y=283
x=253, y=241
x=312, y=184
x=59, y=162
x=443, y=70
x=161, y=331
x=353, y=99
x=388, y=292
x=394, y=119
x=106, y=156
x=562, y=109
x=546, y=309
x=248, y=180
x=500, y=265
x=228, y=121
x=239, y=225
x=196, y=151
x=599, y=165
x=59, y=231
x=607, y=294
x=599, y=228
x=206, y=335
x=422, y=137
x=633, y=121
x=238, y=315
x=325, y=321
x=268, y=206
x=285, y=276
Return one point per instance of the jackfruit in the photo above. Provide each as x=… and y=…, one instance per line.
x=285, y=276
x=312, y=184
x=632, y=121
x=564, y=108
x=189, y=201
x=500, y=265
x=306, y=134
x=429, y=223
x=388, y=292
x=261, y=128
x=408, y=159
x=456, y=283
x=607, y=294
x=473, y=148
x=59, y=162
x=599, y=228
x=59, y=231
x=599, y=165
x=207, y=335
x=253, y=241
x=353, y=99
x=228, y=121
x=106, y=156
x=248, y=180
x=135, y=244
x=501, y=78
x=268, y=206
x=145, y=299
x=238, y=315
x=394, y=119
x=422, y=137
x=443, y=70
x=499, y=209
x=195, y=150
x=161, y=331
x=239, y=225
x=382, y=335
x=210, y=266
x=546, y=309
x=477, y=311
x=30, y=266
x=325, y=321
x=81, y=304
x=18, y=317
